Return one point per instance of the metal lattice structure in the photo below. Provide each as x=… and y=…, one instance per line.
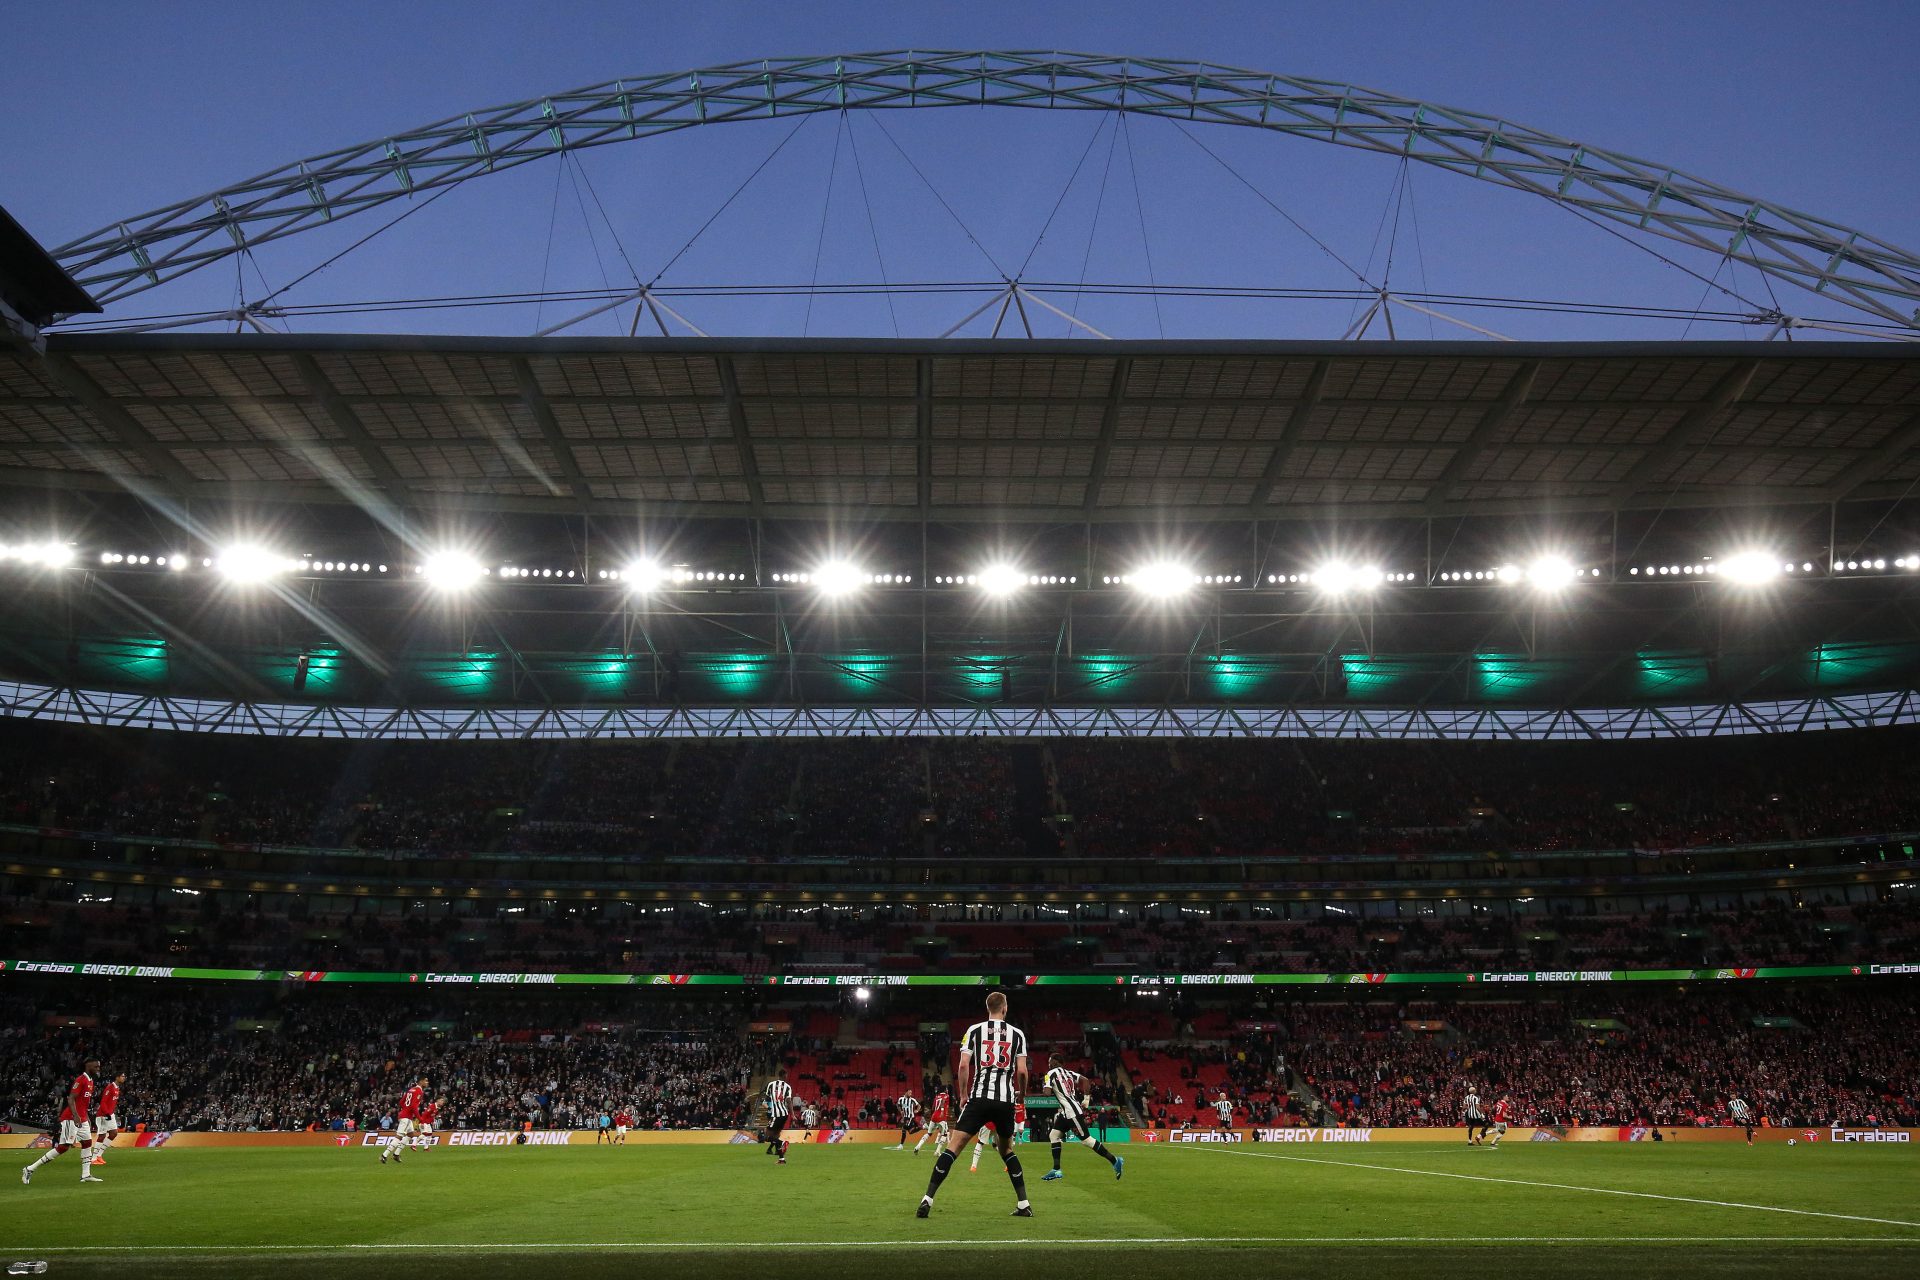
x=302, y=720
x=1861, y=271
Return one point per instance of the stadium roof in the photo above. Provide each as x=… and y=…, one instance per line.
x=957, y=431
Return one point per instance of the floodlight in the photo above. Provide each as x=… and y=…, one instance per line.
x=1750, y=568
x=1162, y=578
x=1551, y=573
x=862, y=994
x=643, y=576
x=248, y=563
x=451, y=570
x=1337, y=579
x=838, y=578
x=1001, y=579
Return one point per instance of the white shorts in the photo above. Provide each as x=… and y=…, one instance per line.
x=104, y=1127
x=1499, y=1126
x=405, y=1127
x=73, y=1133
x=620, y=1130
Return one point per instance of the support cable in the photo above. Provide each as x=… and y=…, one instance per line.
x=924, y=181
x=1065, y=189
x=1093, y=227
x=873, y=230
x=826, y=208
x=728, y=202
x=1140, y=211
x=1269, y=202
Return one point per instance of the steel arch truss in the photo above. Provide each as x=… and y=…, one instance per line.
x=300, y=720
x=1858, y=270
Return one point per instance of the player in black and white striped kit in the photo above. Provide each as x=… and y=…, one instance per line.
x=1069, y=1088
x=779, y=1100
x=992, y=1077
x=1475, y=1118
x=1742, y=1115
x=909, y=1108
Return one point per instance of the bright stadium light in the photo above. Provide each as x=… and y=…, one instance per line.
x=838, y=578
x=1551, y=573
x=1001, y=579
x=1162, y=579
x=1750, y=568
x=1337, y=578
x=248, y=563
x=643, y=577
x=451, y=570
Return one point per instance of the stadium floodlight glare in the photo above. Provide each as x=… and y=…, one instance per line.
x=1001, y=579
x=1162, y=579
x=643, y=577
x=838, y=578
x=248, y=563
x=1750, y=568
x=451, y=570
x=52, y=555
x=1551, y=573
x=1337, y=579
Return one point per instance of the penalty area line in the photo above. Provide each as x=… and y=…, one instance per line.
x=1569, y=1186
x=969, y=1242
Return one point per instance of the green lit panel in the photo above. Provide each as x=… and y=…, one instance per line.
x=1102, y=677
x=613, y=675
x=1830, y=665
x=730, y=677
x=982, y=677
x=1499, y=677
x=1673, y=673
x=279, y=669
x=1388, y=679
x=122, y=659
x=1238, y=678
x=863, y=677
x=475, y=674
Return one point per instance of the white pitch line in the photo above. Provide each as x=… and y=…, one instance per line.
x=970, y=1242
x=1567, y=1186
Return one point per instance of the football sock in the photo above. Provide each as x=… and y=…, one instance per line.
x=1056, y=1156
x=1099, y=1149
x=51, y=1153
x=941, y=1168
x=86, y=1160
x=1019, y=1180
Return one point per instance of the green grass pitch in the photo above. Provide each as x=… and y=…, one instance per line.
x=1433, y=1211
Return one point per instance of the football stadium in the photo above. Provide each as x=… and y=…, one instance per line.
x=1203, y=739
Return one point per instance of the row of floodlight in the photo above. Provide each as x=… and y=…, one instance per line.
x=454, y=570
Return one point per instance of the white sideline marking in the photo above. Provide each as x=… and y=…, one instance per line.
x=971, y=1242
x=1565, y=1186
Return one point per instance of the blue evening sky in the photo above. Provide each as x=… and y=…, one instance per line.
x=118, y=108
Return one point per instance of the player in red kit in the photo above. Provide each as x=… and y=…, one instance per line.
x=1502, y=1112
x=1019, y=1124
x=939, y=1123
x=75, y=1126
x=106, y=1117
x=622, y=1121
x=423, y=1122
x=407, y=1121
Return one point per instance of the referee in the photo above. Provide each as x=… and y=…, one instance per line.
x=992, y=1076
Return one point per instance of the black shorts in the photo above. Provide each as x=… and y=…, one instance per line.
x=981, y=1112
x=1066, y=1122
x=774, y=1127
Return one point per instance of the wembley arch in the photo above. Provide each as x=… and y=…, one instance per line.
x=1860, y=271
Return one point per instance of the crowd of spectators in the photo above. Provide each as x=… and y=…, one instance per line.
x=1806, y=1054
x=1798, y=1056
x=194, y=1063
x=964, y=798
x=85, y=922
